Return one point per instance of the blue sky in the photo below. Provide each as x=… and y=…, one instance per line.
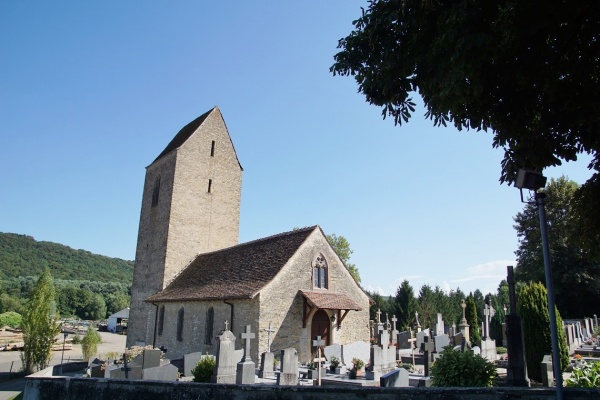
x=91, y=93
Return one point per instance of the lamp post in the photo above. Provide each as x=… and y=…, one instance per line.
x=532, y=180
x=62, y=357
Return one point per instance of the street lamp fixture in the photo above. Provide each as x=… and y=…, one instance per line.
x=534, y=181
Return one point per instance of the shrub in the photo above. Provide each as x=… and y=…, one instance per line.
x=532, y=306
x=76, y=339
x=204, y=369
x=11, y=319
x=585, y=375
x=458, y=369
x=89, y=343
x=358, y=364
x=501, y=350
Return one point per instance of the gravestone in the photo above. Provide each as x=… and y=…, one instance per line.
x=394, y=332
x=149, y=358
x=439, y=325
x=441, y=341
x=190, y=361
x=547, y=371
x=246, y=367
x=516, y=371
x=289, y=368
x=167, y=372
x=452, y=331
x=420, y=337
x=108, y=372
x=97, y=371
x=267, y=365
x=476, y=350
x=395, y=378
x=333, y=350
x=360, y=350
x=427, y=348
x=225, y=370
x=488, y=349
x=464, y=325
x=403, y=342
x=457, y=339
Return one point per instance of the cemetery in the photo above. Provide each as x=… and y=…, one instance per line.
x=392, y=359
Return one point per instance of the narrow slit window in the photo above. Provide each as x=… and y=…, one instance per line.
x=156, y=191
x=161, y=320
x=209, y=185
x=212, y=149
x=210, y=320
x=180, y=324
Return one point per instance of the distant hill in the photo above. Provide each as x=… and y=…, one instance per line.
x=22, y=255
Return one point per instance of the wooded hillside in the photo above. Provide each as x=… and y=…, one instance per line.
x=22, y=255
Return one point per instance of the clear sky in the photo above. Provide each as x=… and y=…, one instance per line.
x=92, y=92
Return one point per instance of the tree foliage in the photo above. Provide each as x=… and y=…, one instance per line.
x=532, y=306
x=40, y=325
x=472, y=319
x=528, y=71
x=575, y=272
x=342, y=249
x=462, y=369
x=89, y=343
x=11, y=319
x=405, y=305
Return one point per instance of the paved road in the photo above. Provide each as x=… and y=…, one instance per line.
x=111, y=342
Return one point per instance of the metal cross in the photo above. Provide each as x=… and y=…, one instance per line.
x=125, y=368
x=269, y=331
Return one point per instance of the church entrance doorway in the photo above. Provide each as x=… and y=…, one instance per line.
x=320, y=327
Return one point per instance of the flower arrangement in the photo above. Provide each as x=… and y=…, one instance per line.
x=334, y=362
x=357, y=364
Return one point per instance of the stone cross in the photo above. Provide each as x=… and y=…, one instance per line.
x=388, y=325
x=418, y=325
x=226, y=325
x=246, y=336
x=463, y=304
x=269, y=331
x=318, y=343
x=394, y=331
x=378, y=315
x=126, y=369
x=486, y=321
x=412, y=341
x=427, y=348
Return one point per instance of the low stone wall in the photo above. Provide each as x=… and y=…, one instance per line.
x=42, y=388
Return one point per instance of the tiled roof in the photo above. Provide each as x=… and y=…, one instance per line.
x=331, y=301
x=238, y=272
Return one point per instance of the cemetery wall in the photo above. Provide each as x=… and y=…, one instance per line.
x=245, y=312
x=47, y=388
x=281, y=304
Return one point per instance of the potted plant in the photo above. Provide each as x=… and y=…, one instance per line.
x=357, y=365
x=334, y=362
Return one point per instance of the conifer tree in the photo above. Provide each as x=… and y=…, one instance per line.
x=532, y=306
x=40, y=325
x=472, y=320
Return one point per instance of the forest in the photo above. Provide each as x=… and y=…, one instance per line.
x=105, y=289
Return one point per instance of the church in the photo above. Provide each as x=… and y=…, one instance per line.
x=192, y=279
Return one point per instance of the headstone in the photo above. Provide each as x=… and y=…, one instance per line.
x=452, y=331
x=267, y=365
x=395, y=378
x=167, y=372
x=427, y=348
x=97, y=371
x=246, y=367
x=420, y=337
x=360, y=350
x=476, y=350
x=225, y=370
x=547, y=371
x=488, y=349
x=596, y=320
x=394, y=332
x=439, y=325
x=150, y=358
x=333, y=350
x=108, y=372
x=441, y=341
x=190, y=361
x=289, y=368
x=457, y=339
x=403, y=342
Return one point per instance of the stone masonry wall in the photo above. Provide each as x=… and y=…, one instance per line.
x=49, y=388
x=281, y=304
x=245, y=312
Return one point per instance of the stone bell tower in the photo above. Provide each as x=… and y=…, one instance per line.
x=190, y=205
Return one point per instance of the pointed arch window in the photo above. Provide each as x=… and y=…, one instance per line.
x=320, y=278
x=210, y=322
x=161, y=320
x=180, y=315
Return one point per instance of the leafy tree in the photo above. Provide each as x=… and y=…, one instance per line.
x=342, y=248
x=10, y=303
x=89, y=343
x=11, y=319
x=462, y=369
x=532, y=306
x=116, y=302
x=472, y=320
x=405, y=305
x=96, y=308
x=40, y=325
x=575, y=273
x=380, y=303
x=526, y=70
